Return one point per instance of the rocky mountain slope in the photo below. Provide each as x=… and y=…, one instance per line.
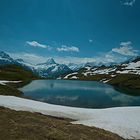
x=6, y=59
x=125, y=74
x=49, y=69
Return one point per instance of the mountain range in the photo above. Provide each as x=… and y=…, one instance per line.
x=108, y=74
x=126, y=74
x=6, y=59
x=49, y=69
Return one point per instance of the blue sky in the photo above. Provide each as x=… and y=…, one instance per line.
x=70, y=30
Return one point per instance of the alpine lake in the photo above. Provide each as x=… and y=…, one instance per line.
x=83, y=94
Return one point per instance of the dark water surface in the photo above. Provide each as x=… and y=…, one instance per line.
x=85, y=94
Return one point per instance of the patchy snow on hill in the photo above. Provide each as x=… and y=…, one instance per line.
x=71, y=74
x=133, y=65
x=95, y=71
x=104, y=71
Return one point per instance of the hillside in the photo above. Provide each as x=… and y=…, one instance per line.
x=34, y=126
x=14, y=73
x=48, y=69
x=124, y=75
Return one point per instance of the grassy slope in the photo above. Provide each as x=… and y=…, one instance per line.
x=9, y=90
x=126, y=80
x=17, y=125
x=13, y=72
x=121, y=80
x=131, y=81
x=96, y=77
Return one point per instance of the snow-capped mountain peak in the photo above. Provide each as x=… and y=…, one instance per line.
x=5, y=56
x=50, y=61
x=51, y=69
x=75, y=67
x=6, y=59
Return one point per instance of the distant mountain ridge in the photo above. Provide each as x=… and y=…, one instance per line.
x=6, y=59
x=49, y=69
x=75, y=67
x=127, y=73
x=88, y=71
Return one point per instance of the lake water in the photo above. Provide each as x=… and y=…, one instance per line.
x=85, y=94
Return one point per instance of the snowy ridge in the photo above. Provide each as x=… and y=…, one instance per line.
x=107, y=72
x=49, y=69
x=75, y=67
x=6, y=59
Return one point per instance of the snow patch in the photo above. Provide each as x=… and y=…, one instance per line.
x=3, y=82
x=71, y=74
x=74, y=77
x=106, y=81
x=87, y=68
x=133, y=65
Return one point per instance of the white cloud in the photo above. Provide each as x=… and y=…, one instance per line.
x=128, y=2
x=28, y=57
x=125, y=49
x=34, y=58
x=128, y=43
x=90, y=40
x=116, y=55
x=36, y=44
x=110, y=57
x=75, y=60
x=68, y=49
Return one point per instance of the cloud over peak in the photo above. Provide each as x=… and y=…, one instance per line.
x=125, y=49
x=128, y=2
x=65, y=48
x=36, y=44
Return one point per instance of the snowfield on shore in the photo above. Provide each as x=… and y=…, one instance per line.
x=4, y=82
x=124, y=121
